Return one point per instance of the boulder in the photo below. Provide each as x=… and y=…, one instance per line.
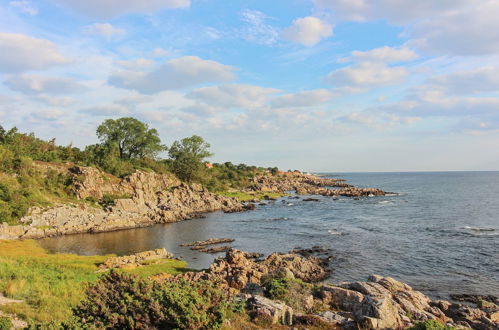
x=276, y=311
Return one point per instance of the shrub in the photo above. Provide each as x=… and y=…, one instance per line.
x=293, y=292
x=5, y=323
x=124, y=301
x=430, y=325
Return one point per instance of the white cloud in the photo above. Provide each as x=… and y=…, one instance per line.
x=62, y=101
x=35, y=84
x=367, y=74
x=308, y=31
x=25, y=7
x=302, y=99
x=462, y=27
x=107, y=110
x=160, y=52
x=479, y=80
x=257, y=29
x=19, y=52
x=398, y=11
x=47, y=114
x=105, y=30
x=140, y=63
x=233, y=95
x=469, y=30
x=175, y=74
x=385, y=54
x=108, y=9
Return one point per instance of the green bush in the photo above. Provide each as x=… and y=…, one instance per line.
x=124, y=301
x=431, y=325
x=293, y=292
x=5, y=323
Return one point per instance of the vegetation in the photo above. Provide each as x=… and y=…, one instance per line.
x=187, y=158
x=294, y=292
x=124, y=301
x=431, y=325
x=126, y=145
x=51, y=284
x=5, y=323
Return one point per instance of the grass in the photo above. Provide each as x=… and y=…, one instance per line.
x=244, y=196
x=51, y=284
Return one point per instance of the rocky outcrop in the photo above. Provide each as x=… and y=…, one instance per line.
x=307, y=184
x=141, y=199
x=384, y=303
x=274, y=311
x=238, y=269
x=135, y=260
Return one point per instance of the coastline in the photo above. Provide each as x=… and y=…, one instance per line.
x=146, y=198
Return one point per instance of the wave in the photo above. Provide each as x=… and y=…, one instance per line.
x=479, y=229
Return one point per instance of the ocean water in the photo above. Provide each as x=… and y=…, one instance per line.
x=440, y=234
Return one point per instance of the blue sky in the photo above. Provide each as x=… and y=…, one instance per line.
x=319, y=85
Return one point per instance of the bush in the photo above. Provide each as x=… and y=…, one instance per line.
x=430, y=325
x=293, y=292
x=124, y=301
x=5, y=323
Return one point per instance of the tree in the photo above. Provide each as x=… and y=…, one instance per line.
x=2, y=134
x=187, y=157
x=133, y=138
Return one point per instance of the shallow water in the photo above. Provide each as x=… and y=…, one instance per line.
x=440, y=235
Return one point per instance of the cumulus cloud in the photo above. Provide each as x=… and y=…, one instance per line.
x=469, y=30
x=35, y=84
x=399, y=12
x=367, y=74
x=59, y=101
x=140, y=63
x=233, y=95
x=385, y=54
x=177, y=73
x=25, y=7
x=113, y=8
x=257, y=29
x=302, y=99
x=479, y=80
x=462, y=27
x=19, y=52
x=105, y=30
x=111, y=109
x=308, y=31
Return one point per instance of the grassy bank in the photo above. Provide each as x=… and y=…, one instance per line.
x=51, y=284
x=244, y=196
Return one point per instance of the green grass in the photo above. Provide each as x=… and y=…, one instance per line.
x=51, y=284
x=243, y=196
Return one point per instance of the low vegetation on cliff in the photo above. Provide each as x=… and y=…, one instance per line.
x=126, y=145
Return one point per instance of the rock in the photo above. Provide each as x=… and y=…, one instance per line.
x=277, y=311
x=311, y=200
x=143, y=199
x=217, y=249
x=135, y=260
x=210, y=241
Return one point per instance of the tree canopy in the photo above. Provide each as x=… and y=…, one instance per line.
x=187, y=157
x=133, y=138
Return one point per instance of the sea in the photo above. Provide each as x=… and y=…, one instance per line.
x=438, y=232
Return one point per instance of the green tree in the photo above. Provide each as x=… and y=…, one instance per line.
x=133, y=138
x=2, y=134
x=187, y=157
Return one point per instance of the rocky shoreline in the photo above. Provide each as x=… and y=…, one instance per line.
x=146, y=198
x=378, y=303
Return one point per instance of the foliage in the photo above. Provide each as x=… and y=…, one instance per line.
x=52, y=284
x=109, y=200
x=124, y=301
x=5, y=323
x=293, y=292
x=133, y=138
x=187, y=157
x=431, y=325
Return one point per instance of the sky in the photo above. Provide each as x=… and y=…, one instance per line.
x=315, y=85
